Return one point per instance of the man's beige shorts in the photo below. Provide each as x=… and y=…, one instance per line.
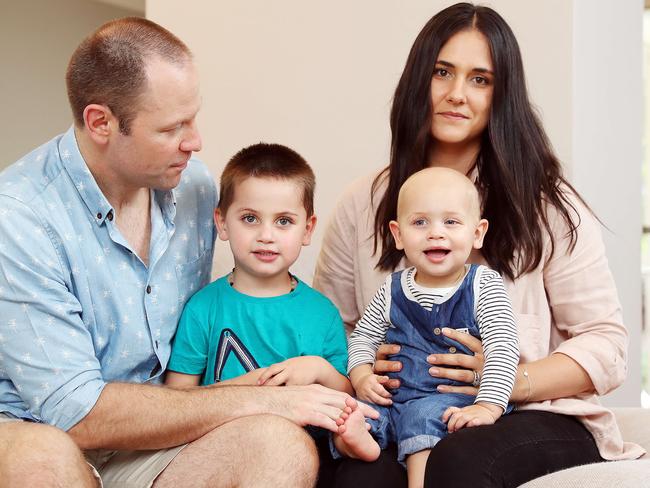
x=124, y=469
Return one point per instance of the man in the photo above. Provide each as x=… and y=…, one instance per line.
x=105, y=232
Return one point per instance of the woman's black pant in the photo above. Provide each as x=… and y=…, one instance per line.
x=518, y=448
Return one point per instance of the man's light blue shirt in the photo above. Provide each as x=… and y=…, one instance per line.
x=78, y=307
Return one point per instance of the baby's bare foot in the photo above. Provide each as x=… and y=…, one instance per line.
x=353, y=434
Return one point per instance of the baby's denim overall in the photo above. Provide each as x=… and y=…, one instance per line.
x=414, y=420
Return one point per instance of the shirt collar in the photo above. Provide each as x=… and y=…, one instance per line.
x=89, y=191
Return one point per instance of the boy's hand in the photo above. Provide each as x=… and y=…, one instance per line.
x=471, y=416
x=249, y=378
x=370, y=388
x=302, y=370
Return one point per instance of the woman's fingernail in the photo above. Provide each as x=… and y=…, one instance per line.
x=434, y=371
x=397, y=366
x=446, y=329
x=443, y=388
x=431, y=359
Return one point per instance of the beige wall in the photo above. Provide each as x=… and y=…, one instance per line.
x=319, y=77
x=37, y=38
x=606, y=133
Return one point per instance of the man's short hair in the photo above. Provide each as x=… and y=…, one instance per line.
x=109, y=66
x=267, y=161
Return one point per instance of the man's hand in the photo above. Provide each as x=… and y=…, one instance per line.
x=313, y=405
x=471, y=416
x=302, y=370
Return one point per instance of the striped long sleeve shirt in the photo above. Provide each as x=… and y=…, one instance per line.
x=494, y=317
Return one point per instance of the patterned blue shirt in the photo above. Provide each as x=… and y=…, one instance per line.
x=79, y=308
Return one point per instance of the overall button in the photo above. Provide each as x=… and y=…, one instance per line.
x=148, y=289
x=452, y=349
x=437, y=331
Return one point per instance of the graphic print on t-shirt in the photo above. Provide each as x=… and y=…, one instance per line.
x=230, y=343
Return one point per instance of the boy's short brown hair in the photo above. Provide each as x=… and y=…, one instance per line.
x=264, y=160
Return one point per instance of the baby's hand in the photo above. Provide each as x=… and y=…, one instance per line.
x=471, y=416
x=370, y=388
x=302, y=370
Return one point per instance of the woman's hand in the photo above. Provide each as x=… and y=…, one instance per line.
x=383, y=365
x=465, y=364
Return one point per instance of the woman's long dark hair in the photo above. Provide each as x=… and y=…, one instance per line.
x=518, y=174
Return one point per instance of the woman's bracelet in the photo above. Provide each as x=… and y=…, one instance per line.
x=530, y=386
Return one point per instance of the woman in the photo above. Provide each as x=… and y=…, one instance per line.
x=469, y=110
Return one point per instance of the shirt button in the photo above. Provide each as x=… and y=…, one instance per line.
x=109, y=216
x=452, y=349
x=437, y=331
x=148, y=289
x=99, y=216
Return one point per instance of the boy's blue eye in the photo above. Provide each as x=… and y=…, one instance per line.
x=284, y=221
x=419, y=222
x=249, y=219
x=451, y=222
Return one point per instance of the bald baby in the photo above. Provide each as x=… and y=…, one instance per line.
x=438, y=224
x=443, y=184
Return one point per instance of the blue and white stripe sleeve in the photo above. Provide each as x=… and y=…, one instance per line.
x=370, y=331
x=499, y=335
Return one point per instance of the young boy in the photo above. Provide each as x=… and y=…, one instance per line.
x=438, y=224
x=260, y=325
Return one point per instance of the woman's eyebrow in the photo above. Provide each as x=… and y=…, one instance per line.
x=452, y=65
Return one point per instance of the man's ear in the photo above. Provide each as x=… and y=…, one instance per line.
x=479, y=233
x=309, y=230
x=394, y=229
x=220, y=222
x=99, y=121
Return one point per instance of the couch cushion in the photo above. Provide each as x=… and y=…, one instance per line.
x=635, y=427
x=618, y=474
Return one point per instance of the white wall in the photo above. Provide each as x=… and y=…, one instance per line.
x=319, y=76
x=606, y=132
x=37, y=38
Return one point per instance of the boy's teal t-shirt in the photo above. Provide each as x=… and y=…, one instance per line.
x=223, y=333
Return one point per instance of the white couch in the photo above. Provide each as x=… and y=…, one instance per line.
x=635, y=426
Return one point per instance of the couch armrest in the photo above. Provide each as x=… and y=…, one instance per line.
x=635, y=426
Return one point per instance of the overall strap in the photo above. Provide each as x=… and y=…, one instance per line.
x=418, y=316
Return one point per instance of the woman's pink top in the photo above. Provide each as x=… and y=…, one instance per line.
x=567, y=305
